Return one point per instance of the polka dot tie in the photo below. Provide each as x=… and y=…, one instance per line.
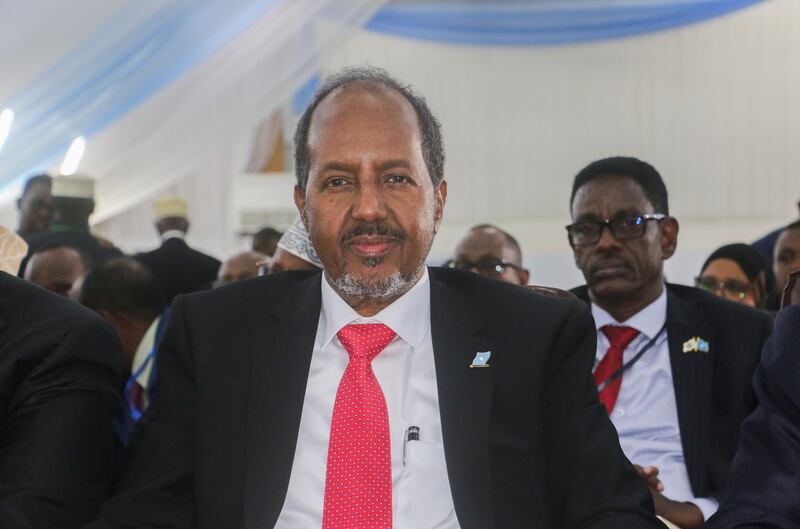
x=358, y=483
x=619, y=337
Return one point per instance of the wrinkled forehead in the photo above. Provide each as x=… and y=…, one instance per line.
x=608, y=196
x=356, y=106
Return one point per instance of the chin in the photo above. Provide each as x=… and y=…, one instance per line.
x=613, y=288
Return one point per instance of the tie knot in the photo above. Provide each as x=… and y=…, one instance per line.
x=619, y=336
x=365, y=340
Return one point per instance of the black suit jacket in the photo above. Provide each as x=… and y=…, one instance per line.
x=59, y=371
x=713, y=391
x=527, y=444
x=179, y=268
x=764, y=489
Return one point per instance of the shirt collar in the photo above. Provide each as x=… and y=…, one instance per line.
x=647, y=321
x=409, y=316
x=172, y=234
x=143, y=351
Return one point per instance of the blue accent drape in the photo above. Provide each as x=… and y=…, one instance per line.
x=538, y=22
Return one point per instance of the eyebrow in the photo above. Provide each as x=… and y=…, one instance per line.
x=352, y=168
x=625, y=212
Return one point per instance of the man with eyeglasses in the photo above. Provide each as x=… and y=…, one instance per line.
x=491, y=252
x=674, y=363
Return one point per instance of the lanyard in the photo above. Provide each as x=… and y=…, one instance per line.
x=629, y=364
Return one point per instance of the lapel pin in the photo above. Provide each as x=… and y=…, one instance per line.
x=695, y=345
x=481, y=359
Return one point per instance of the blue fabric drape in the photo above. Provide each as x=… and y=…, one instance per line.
x=538, y=22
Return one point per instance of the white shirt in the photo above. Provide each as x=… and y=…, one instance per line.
x=646, y=414
x=421, y=497
x=173, y=234
x=139, y=368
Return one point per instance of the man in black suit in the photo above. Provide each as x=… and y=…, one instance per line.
x=673, y=363
x=59, y=372
x=179, y=268
x=35, y=206
x=377, y=393
x=764, y=488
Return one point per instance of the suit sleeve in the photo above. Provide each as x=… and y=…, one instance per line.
x=56, y=457
x=764, y=488
x=587, y=466
x=157, y=491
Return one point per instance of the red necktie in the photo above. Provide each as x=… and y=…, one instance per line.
x=619, y=338
x=358, y=483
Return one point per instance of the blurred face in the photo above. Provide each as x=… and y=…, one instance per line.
x=486, y=252
x=725, y=278
x=56, y=269
x=787, y=255
x=35, y=209
x=370, y=206
x=628, y=269
x=238, y=268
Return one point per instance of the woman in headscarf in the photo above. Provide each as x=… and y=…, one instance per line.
x=740, y=273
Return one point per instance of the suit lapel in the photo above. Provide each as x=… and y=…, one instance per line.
x=692, y=375
x=280, y=358
x=465, y=402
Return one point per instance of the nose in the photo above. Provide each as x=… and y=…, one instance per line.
x=369, y=203
x=607, y=239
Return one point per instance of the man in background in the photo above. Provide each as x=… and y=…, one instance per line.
x=35, y=206
x=55, y=268
x=178, y=267
x=241, y=266
x=766, y=244
x=786, y=258
x=59, y=370
x=674, y=364
x=491, y=252
x=295, y=251
x=265, y=241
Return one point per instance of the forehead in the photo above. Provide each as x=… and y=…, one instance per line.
x=484, y=243
x=789, y=239
x=608, y=195
x=725, y=268
x=38, y=190
x=356, y=117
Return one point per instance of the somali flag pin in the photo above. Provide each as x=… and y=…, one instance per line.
x=481, y=359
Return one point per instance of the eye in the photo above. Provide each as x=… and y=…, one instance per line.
x=398, y=179
x=336, y=181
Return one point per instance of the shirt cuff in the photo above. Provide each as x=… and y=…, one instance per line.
x=708, y=506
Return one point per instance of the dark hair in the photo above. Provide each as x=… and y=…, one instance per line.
x=123, y=285
x=793, y=226
x=37, y=179
x=371, y=78
x=641, y=172
x=755, y=266
x=267, y=234
x=510, y=240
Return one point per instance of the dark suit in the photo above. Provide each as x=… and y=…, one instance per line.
x=59, y=371
x=713, y=391
x=526, y=442
x=764, y=488
x=179, y=268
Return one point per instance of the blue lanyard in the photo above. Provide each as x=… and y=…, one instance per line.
x=135, y=413
x=619, y=372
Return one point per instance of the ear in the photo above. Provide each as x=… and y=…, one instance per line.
x=524, y=276
x=440, y=198
x=300, y=203
x=669, y=237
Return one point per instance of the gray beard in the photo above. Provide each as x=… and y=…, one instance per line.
x=390, y=286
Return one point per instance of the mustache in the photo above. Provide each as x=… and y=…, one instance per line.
x=372, y=228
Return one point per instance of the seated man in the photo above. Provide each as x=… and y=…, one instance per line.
x=491, y=252
x=241, y=266
x=378, y=393
x=764, y=487
x=295, y=251
x=59, y=367
x=673, y=363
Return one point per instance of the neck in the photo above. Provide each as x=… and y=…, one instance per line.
x=624, y=308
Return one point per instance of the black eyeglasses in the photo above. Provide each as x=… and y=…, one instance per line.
x=622, y=228
x=731, y=288
x=487, y=266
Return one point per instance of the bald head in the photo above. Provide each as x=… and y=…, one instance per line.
x=240, y=267
x=491, y=252
x=55, y=269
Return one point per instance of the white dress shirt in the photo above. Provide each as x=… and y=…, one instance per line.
x=421, y=497
x=646, y=415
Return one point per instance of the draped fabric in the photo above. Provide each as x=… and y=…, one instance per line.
x=163, y=82
x=542, y=22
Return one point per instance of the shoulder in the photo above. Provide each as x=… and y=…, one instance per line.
x=506, y=304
